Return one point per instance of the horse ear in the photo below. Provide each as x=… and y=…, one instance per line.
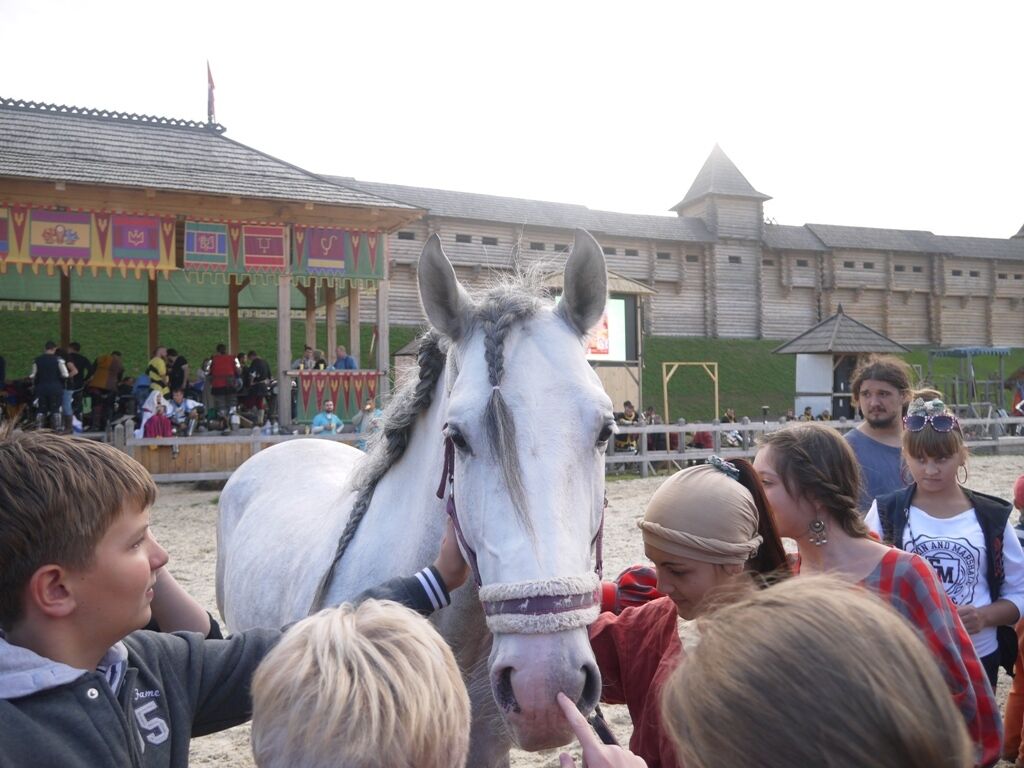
x=585, y=284
x=445, y=301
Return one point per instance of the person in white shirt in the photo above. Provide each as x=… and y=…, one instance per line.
x=965, y=535
x=183, y=412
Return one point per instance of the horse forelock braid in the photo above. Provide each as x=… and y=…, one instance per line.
x=389, y=445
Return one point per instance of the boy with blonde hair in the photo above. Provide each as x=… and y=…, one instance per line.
x=366, y=686
x=79, y=686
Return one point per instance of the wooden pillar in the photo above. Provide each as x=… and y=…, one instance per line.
x=331, y=314
x=153, y=304
x=354, y=343
x=309, y=292
x=65, y=309
x=284, y=349
x=234, y=289
x=383, y=337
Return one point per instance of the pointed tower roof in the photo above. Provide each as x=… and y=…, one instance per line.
x=719, y=176
x=839, y=334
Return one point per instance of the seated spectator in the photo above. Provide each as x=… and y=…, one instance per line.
x=702, y=439
x=327, y=420
x=343, y=360
x=627, y=418
x=729, y=417
x=807, y=415
x=183, y=413
x=158, y=424
x=825, y=415
x=319, y=361
x=826, y=653
x=306, y=362
x=367, y=422
x=373, y=686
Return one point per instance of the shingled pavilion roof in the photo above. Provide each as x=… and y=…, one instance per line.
x=839, y=334
x=91, y=146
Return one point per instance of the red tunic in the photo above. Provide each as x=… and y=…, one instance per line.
x=636, y=651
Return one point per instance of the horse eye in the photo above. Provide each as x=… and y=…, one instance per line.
x=456, y=437
x=605, y=434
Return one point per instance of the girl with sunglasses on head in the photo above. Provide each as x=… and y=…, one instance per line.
x=812, y=480
x=964, y=534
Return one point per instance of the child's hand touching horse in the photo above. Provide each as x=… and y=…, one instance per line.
x=450, y=563
x=595, y=754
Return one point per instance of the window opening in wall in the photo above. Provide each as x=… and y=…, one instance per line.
x=958, y=273
x=664, y=256
x=899, y=267
x=975, y=273
x=768, y=262
x=537, y=246
x=735, y=260
x=869, y=265
x=1018, y=276
x=692, y=258
x=632, y=252
x=559, y=247
x=801, y=262
x=406, y=235
x=489, y=240
x=608, y=250
x=917, y=268
x=463, y=238
x=1003, y=275
x=849, y=264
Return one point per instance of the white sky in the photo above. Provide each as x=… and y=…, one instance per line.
x=891, y=114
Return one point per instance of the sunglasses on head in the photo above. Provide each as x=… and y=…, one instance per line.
x=942, y=422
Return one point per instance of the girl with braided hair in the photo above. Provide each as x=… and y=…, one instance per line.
x=812, y=480
x=709, y=533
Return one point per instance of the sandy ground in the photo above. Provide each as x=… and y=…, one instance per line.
x=184, y=520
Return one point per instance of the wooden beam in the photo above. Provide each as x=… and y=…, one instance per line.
x=65, y=309
x=173, y=203
x=309, y=293
x=284, y=349
x=354, y=342
x=152, y=307
x=235, y=288
x=331, y=319
x=383, y=338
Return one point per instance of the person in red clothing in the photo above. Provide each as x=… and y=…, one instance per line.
x=812, y=480
x=224, y=372
x=706, y=529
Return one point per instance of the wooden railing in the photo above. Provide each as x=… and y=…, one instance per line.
x=981, y=434
x=215, y=457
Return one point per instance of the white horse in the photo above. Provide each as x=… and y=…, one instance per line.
x=505, y=379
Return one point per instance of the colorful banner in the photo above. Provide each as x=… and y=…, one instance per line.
x=4, y=221
x=348, y=389
x=35, y=237
x=339, y=253
x=206, y=246
x=60, y=237
x=136, y=241
x=265, y=248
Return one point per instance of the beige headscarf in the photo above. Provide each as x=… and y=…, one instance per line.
x=703, y=514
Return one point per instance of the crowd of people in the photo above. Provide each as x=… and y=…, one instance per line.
x=877, y=638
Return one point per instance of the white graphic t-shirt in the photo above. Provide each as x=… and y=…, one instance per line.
x=955, y=548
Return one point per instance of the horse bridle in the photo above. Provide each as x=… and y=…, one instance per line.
x=530, y=607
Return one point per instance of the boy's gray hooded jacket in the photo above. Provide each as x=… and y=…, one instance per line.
x=169, y=688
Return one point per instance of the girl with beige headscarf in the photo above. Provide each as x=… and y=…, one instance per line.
x=706, y=529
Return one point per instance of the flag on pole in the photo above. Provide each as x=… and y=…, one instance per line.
x=210, y=114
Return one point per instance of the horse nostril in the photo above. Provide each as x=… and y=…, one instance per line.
x=503, y=693
x=591, y=694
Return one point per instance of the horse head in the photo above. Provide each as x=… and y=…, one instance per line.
x=528, y=422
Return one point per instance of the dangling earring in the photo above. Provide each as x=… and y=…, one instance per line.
x=964, y=468
x=816, y=533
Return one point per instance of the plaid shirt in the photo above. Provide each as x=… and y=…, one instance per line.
x=910, y=585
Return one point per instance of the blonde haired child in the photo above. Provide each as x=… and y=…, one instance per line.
x=366, y=686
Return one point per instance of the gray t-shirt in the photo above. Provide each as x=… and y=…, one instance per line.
x=880, y=465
